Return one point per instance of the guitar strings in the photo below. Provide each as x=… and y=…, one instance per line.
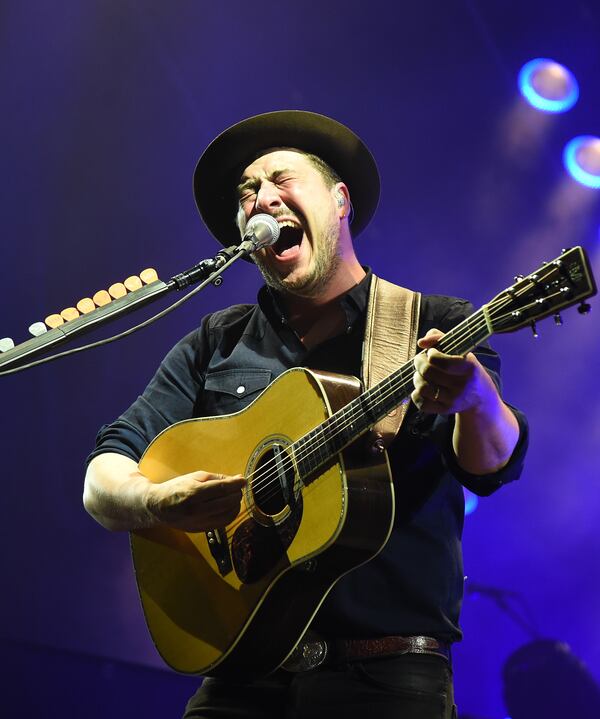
x=262, y=479
x=392, y=381
x=398, y=380
x=265, y=478
x=495, y=306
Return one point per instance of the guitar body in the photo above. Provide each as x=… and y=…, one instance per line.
x=235, y=601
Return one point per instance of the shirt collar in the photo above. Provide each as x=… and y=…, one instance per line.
x=353, y=302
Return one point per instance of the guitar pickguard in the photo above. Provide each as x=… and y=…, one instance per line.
x=257, y=549
x=273, y=502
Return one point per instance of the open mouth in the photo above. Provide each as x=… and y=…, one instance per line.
x=290, y=239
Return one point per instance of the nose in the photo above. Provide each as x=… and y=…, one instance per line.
x=267, y=197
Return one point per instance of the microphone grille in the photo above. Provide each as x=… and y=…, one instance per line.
x=264, y=228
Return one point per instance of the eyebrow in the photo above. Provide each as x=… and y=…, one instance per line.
x=253, y=182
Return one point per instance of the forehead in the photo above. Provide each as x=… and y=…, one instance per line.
x=273, y=160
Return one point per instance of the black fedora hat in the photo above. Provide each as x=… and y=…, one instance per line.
x=220, y=167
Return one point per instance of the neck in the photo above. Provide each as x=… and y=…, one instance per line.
x=347, y=275
x=315, y=319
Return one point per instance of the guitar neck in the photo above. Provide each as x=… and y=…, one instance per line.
x=321, y=444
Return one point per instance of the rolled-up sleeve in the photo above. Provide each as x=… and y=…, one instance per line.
x=170, y=397
x=486, y=484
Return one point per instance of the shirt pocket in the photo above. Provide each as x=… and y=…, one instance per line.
x=230, y=390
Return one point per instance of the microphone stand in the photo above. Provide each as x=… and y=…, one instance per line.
x=206, y=272
x=501, y=597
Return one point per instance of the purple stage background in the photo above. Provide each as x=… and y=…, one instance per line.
x=107, y=106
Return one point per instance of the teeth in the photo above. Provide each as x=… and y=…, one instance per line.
x=289, y=223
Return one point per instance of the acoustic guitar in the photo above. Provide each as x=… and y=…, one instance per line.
x=235, y=600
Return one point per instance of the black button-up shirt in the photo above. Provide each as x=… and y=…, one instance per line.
x=414, y=585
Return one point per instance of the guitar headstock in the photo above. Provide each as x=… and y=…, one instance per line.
x=561, y=283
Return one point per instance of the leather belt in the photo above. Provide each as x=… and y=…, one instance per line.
x=313, y=651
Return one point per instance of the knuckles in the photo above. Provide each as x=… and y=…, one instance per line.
x=189, y=502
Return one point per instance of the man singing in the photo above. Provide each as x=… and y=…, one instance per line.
x=382, y=635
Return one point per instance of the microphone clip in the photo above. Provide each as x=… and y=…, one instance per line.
x=204, y=269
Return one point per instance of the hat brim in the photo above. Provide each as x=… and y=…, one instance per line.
x=220, y=167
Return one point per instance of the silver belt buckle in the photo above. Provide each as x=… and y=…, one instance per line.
x=309, y=653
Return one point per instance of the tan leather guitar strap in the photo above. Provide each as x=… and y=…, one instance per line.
x=390, y=341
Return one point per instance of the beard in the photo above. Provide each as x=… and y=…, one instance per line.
x=326, y=261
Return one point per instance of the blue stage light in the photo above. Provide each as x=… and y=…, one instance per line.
x=581, y=158
x=471, y=501
x=548, y=86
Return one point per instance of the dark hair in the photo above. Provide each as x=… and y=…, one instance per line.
x=326, y=171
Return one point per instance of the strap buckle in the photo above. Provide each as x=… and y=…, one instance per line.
x=310, y=652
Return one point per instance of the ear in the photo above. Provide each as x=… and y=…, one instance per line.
x=342, y=198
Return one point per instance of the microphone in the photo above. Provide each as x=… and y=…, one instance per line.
x=261, y=231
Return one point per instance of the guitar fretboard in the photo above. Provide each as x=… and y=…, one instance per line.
x=321, y=444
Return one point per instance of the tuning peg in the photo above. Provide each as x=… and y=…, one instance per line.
x=37, y=329
x=584, y=308
x=534, y=329
x=518, y=278
x=557, y=319
x=564, y=250
x=6, y=343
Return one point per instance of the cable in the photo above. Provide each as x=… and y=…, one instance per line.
x=116, y=337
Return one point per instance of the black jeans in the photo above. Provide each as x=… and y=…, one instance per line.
x=410, y=686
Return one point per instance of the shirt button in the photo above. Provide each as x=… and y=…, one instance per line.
x=241, y=389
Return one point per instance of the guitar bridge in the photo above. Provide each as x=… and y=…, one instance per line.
x=219, y=548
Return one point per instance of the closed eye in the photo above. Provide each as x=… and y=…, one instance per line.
x=247, y=196
x=247, y=190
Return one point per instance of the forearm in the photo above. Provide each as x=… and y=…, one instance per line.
x=115, y=493
x=484, y=437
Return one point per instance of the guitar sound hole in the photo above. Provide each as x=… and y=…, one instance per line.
x=273, y=481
